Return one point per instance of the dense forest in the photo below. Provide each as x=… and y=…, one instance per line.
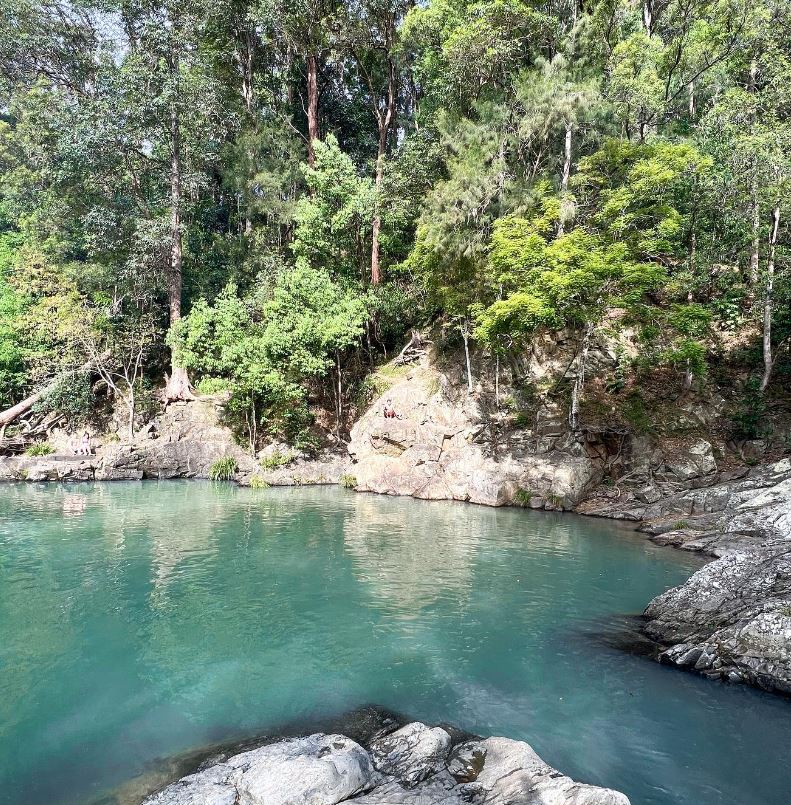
x=263, y=197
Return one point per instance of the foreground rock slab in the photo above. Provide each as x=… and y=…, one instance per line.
x=415, y=764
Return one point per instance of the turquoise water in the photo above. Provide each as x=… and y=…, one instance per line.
x=138, y=621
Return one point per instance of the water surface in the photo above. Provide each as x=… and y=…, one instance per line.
x=142, y=620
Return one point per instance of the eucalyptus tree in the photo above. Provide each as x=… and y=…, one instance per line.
x=306, y=30
x=170, y=105
x=373, y=39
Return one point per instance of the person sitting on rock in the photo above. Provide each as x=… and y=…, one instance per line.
x=389, y=411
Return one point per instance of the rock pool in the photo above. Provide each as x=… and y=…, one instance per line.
x=142, y=620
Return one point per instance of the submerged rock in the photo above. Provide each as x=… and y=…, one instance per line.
x=412, y=765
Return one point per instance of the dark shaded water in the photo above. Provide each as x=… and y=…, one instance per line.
x=138, y=621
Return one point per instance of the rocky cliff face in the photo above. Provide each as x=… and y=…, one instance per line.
x=415, y=764
x=445, y=445
x=731, y=619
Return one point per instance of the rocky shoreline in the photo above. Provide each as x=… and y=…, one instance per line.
x=413, y=763
x=731, y=619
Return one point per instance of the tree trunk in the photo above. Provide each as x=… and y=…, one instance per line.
x=376, y=224
x=579, y=380
x=648, y=17
x=247, y=62
x=178, y=384
x=693, y=253
x=339, y=397
x=756, y=223
x=768, y=301
x=130, y=424
x=247, y=59
x=15, y=411
x=564, y=180
x=465, y=334
x=313, y=107
x=756, y=211
x=384, y=123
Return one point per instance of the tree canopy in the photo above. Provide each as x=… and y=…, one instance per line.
x=270, y=194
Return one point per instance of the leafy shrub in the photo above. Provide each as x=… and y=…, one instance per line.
x=40, y=449
x=257, y=482
x=223, y=469
x=276, y=459
x=348, y=481
x=213, y=385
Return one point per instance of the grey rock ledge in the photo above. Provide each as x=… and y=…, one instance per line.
x=416, y=764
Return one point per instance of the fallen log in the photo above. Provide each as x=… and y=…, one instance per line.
x=16, y=411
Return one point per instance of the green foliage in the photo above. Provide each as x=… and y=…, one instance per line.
x=269, y=344
x=209, y=386
x=550, y=281
x=333, y=222
x=276, y=459
x=223, y=469
x=522, y=497
x=257, y=482
x=72, y=397
x=40, y=449
x=348, y=481
x=522, y=169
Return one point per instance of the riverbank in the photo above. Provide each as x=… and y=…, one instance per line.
x=412, y=764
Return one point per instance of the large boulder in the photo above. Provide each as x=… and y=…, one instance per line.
x=411, y=754
x=413, y=765
x=507, y=772
x=442, y=446
x=731, y=619
x=317, y=770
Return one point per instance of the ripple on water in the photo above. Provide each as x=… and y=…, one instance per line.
x=142, y=620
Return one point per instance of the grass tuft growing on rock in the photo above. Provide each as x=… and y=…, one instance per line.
x=40, y=449
x=276, y=459
x=522, y=497
x=223, y=469
x=257, y=482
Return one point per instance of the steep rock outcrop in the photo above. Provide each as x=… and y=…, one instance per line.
x=442, y=446
x=412, y=765
x=731, y=619
x=743, y=509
